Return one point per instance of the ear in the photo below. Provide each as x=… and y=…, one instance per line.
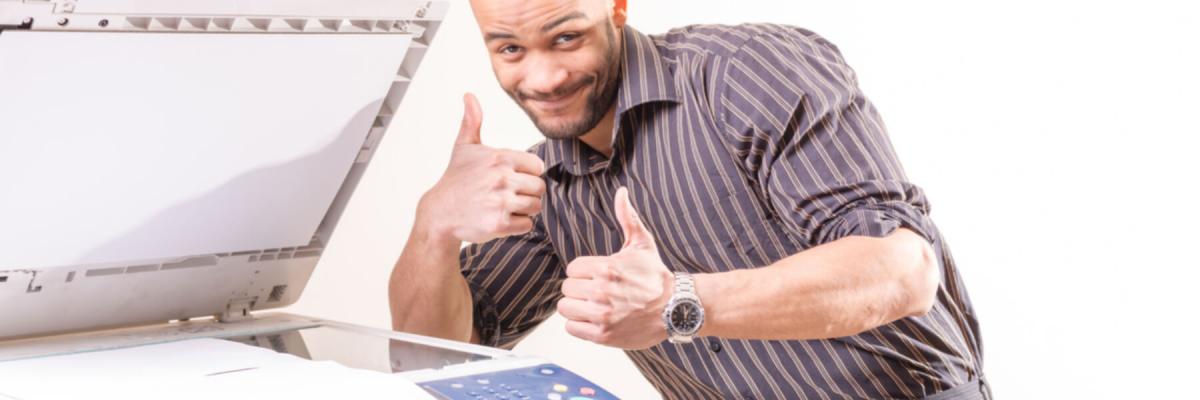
x=618, y=13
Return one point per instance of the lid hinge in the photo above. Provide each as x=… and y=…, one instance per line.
x=237, y=310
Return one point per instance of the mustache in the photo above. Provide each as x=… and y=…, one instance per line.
x=558, y=92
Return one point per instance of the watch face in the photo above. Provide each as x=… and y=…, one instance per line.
x=686, y=317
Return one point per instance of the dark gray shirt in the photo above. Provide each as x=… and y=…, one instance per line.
x=740, y=146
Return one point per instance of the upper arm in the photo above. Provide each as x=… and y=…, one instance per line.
x=514, y=283
x=814, y=145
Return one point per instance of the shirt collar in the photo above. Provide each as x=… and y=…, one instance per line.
x=645, y=78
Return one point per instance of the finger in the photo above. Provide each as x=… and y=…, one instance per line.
x=584, y=330
x=527, y=163
x=581, y=310
x=472, y=120
x=524, y=205
x=585, y=267
x=636, y=234
x=581, y=289
x=516, y=225
x=526, y=184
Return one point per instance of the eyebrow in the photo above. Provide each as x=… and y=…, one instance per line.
x=563, y=19
x=490, y=36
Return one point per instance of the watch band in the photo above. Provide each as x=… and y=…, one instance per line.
x=685, y=291
x=684, y=283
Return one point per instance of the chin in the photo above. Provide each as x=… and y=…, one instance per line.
x=562, y=125
x=561, y=130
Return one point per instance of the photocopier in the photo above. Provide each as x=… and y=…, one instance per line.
x=169, y=169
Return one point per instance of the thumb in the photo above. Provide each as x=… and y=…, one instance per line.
x=636, y=234
x=468, y=133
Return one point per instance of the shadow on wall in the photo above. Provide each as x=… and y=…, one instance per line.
x=256, y=207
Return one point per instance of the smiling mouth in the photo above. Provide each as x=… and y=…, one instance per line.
x=556, y=103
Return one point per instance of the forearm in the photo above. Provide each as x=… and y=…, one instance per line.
x=427, y=293
x=837, y=289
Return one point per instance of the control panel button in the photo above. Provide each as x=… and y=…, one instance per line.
x=587, y=391
x=561, y=388
x=554, y=396
x=547, y=371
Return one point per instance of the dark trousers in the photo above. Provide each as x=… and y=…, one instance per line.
x=975, y=389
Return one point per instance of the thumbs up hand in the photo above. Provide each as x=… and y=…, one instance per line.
x=618, y=300
x=485, y=193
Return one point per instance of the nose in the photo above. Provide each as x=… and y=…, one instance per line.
x=545, y=76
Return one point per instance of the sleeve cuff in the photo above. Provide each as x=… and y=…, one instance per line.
x=486, y=316
x=877, y=220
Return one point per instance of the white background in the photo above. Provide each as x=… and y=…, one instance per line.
x=1055, y=139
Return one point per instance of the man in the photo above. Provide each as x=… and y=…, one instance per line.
x=721, y=202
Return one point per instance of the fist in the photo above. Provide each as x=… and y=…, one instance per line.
x=485, y=193
x=618, y=300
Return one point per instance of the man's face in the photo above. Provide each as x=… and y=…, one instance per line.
x=558, y=59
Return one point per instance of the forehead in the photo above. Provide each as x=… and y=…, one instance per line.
x=529, y=15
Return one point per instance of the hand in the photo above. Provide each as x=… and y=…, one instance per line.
x=485, y=193
x=618, y=300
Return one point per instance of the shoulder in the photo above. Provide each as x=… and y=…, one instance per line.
x=718, y=43
x=754, y=60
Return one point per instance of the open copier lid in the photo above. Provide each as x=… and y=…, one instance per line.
x=172, y=159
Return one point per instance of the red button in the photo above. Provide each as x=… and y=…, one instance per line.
x=587, y=391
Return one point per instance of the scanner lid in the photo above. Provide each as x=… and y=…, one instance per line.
x=175, y=159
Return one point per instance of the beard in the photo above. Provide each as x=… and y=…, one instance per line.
x=604, y=81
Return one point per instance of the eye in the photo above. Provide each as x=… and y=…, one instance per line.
x=566, y=38
x=509, y=49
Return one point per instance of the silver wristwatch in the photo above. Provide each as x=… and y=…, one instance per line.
x=684, y=314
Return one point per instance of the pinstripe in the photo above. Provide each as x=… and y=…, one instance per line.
x=741, y=145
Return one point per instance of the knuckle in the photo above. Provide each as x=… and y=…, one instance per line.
x=500, y=182
x=611, y=289
x=609, y=272
x=605, y=335
x=497, y=159
x=499, y=224
x=605, y=317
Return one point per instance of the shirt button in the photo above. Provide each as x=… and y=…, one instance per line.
x=715, y=346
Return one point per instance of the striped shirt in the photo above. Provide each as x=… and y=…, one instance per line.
x=740, y=146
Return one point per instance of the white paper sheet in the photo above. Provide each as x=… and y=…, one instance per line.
x=131, y=146
x=194, y=369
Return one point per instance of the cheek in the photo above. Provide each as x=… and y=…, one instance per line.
x=594, y=63
x=509, y=76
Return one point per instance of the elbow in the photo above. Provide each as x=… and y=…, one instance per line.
x=922, y=280
x=917, y=274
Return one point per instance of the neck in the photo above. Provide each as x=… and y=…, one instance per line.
x=600, y=138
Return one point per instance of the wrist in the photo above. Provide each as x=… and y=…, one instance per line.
x=429, y=229
x=705, y=290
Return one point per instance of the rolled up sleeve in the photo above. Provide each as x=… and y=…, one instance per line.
x=514, y=284
x=816, y=147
